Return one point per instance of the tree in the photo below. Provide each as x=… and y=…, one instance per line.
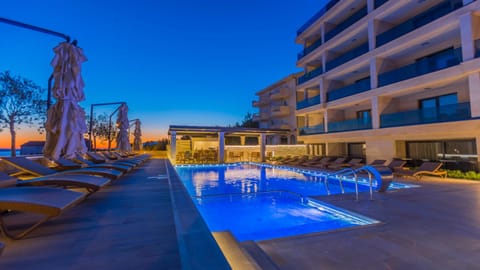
x=248, y=121
x=21, y=103
x=102, y=129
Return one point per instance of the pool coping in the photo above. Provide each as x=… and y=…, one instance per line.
x=198, y=248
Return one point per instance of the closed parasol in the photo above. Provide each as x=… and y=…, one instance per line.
x=137, y=134
x=123, y=143
x=66, y=123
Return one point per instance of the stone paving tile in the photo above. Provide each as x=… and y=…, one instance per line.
x=127, y=225
x=435, y=226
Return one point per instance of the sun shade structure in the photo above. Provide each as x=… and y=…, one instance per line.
x=123, y=143
x=137, y=133
x=66, y=123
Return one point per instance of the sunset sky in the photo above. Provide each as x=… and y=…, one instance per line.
x=174, y=62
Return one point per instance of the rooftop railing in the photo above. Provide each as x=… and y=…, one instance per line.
x=349, y=125
x=346, y=23
x=446, y=59
x=352, y=89
x=420, y=20
x=454, y=112
x=317, y=16
x=310, y=75
x=318, y=129
x=342, y=59
x=308, y=102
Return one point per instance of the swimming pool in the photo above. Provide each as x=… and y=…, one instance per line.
x=259, y=202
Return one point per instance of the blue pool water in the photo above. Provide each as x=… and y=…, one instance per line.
x=258, y=202
x=271, y=215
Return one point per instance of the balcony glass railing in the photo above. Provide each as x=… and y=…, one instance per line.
x=310, y=75
x=420, y=20
x=318, y=129
x=308, y=102
x=378, y=3
x=342, y=59
x=317, y=16
x=352, y=89
x=454, y=112
x=309, y=49
x=345, y=24
x=445, y=59
x=348, y=125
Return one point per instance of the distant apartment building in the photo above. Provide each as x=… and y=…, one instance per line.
x=390, y=79
x=276, y=109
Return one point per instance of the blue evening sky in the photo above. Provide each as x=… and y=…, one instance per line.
x=185, y=62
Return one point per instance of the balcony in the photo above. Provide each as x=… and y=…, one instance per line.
x=280, y=126
x=350, y=125
x=418, y=21
x=308, y=102
x=318, y=129
x=310, y=75
x=352, y=54
x=447, y=113
x=349, y=90
x=442, y=60
x=309, y=49
x=260, y=103
x=317, y=16
x=260, y=117
x=279, y=94
x=279, y=111
x=345, y=24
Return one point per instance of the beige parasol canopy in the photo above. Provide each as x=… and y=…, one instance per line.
x=123, y=143
x=66, y=123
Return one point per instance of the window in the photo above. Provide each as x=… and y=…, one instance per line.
x=437, y=150
x=366, y=114
x=364, y=117
x=356, y=150
x=434, y=108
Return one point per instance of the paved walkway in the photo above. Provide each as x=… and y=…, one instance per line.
x=127, y=225
x=436, y=226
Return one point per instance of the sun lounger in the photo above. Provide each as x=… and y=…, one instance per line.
x=396, y=164
x=353, y=162
x=376, y=162
x=46, y=201
x=312, y=160
x=328, y=164
x=36, y=169
x=318, y=164
x=426, y=168
x=298, y=161
x=100, y=159
x=89, y=182
x=83, y=163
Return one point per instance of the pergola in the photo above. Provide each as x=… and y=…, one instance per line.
x=219, y=133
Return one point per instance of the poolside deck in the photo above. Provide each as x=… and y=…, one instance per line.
x=127, y=225
x=131, y=224
x=435, y=226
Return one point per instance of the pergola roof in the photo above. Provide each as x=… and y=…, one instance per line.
x=208, y=130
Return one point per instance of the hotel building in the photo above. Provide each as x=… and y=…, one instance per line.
x=276, y=109
x=392, y=79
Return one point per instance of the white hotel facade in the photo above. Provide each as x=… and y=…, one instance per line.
x=390, y=79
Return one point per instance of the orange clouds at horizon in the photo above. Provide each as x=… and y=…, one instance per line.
x=31, y=134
